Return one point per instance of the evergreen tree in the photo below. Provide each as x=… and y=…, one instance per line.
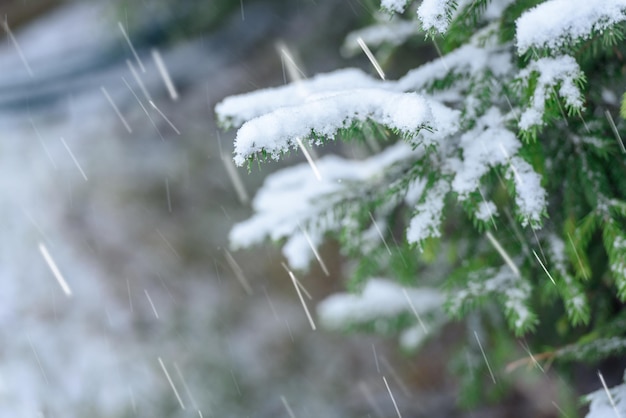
x=498, y=179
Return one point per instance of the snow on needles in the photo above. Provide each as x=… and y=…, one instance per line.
x=561, y=71
x=490, y=144
x=233, y=111
x=555, y=23
x=428, y=214
x=380, y=299
x=486, y=211
x=487, y=145
x=469, y=60
x=277, y=131
x=514, y=292
x=436, y=14
x=293, y=199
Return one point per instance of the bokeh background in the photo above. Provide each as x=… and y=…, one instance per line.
x=135, y=208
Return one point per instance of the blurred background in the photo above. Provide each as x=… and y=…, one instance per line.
x=112, y=173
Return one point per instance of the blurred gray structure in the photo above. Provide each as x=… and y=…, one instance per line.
x=134, y=216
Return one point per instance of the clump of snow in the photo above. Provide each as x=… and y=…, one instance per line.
x=294, y=198
x=380, y=299
x=486, y=211
x=397, y=6
x=235, y=110
x=487, y=145
x=277, y=131
x=299, y=249
x=428, y=214
x=445, y=122
x=411, y=338
x=563, y=71
x=436, y=14
x=555, y=23
x=530, y=196
x=611, y=403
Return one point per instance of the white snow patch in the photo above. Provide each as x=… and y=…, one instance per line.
x=294, y=197
x=397, y=6
x=380, y=299
x=530, y=196
x=299, y=252
x=487, y=145
x=411, y=338
x=486, y=211
x=445, y=122
x=428, y=214
x=277, y=131
x=436, y=14
x=563, y=70
x=468, y=60
x=514, y=289
x=555, y=23
x=601, y=406
x=235, y=110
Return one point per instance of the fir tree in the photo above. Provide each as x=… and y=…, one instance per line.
x=500, y=161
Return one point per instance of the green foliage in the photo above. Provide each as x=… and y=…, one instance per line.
x=527, y=237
